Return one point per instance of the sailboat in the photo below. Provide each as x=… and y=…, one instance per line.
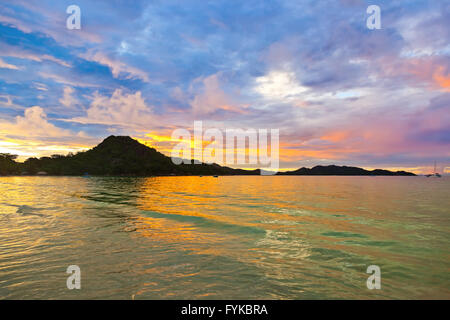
x=434, y=174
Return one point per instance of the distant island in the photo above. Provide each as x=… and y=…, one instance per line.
x=343, y=171
x=124, y=156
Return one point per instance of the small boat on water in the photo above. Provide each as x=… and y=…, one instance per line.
x=215, y=176
x=434, y=174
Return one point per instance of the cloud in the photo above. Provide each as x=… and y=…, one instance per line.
x=279, y=85
x=5, y=65
x=7, y=102
x=429, y=71
x=66, y=81
x=40, y=86
x=33, y=124
x=17, y=52
x=120, y=109
x=33, y=135
x=178, y=94
x=412, y=136
x=211, y=97
x=118, y=69
x=442, y=78
x=68, y=100
x=48, y=18
x=15, y=23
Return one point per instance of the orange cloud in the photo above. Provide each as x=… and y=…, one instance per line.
x=33, y=135
x=441, y=79
x=423, y=69
x=336, y=136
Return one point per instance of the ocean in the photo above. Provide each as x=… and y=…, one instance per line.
x=233, y=237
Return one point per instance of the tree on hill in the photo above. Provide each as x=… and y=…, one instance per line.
x=8, y=165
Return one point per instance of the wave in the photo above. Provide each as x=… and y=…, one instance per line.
x=26, y=210
x=207, y=223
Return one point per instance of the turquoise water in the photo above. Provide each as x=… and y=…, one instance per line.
x=224, y=238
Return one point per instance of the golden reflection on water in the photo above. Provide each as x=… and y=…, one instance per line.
x=226, y=237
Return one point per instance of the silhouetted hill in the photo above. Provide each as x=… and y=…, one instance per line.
x=119, y=155
x=343, y=171
x=116, y=155
x=122, y=155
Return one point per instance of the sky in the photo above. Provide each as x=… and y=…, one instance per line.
x=339, y=92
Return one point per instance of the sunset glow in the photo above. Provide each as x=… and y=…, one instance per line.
x=339, y=93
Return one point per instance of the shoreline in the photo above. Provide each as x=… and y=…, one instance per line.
x=216, y=176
